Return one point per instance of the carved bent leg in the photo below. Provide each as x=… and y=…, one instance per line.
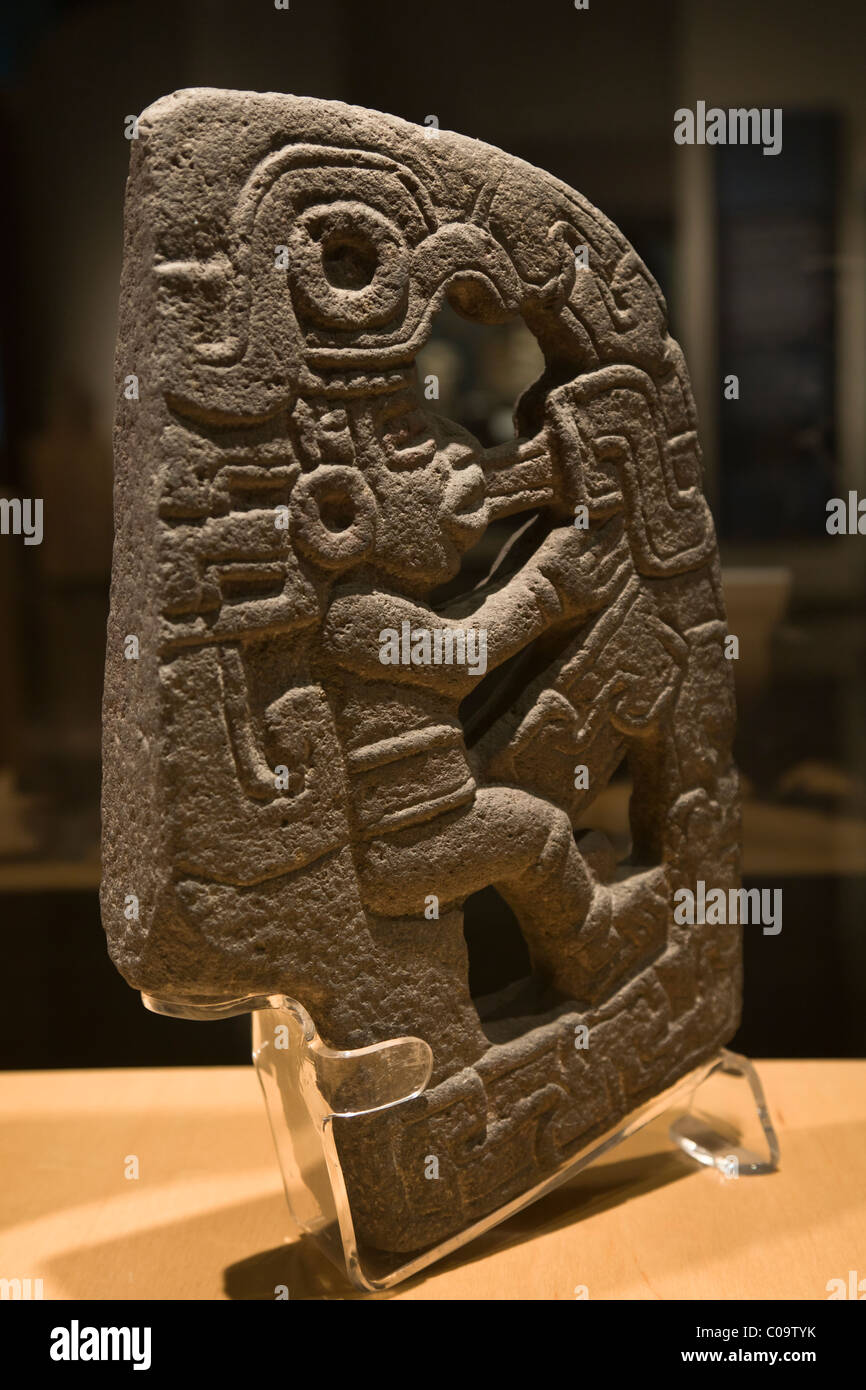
x=625, y=923
x=583, y=935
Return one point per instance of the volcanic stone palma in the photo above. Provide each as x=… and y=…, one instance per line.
x=283, y=496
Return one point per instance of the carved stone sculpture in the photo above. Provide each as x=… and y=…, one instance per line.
x=296, y=800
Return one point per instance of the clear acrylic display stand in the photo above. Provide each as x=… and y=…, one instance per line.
x=307, y=1085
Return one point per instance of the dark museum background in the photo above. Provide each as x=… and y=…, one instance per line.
x=763, y=261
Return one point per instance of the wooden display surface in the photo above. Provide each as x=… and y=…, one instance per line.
x=206, y=1218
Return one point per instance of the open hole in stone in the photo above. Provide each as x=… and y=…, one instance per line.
x=608, y=812
x=498, y=955
x=479, y=372
x=474, y=373
x=509, y=998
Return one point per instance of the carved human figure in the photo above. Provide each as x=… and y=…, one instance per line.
x=422, y=823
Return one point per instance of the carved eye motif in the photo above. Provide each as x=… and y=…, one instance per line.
x=333, y=516
x=348, y=261
x=349, y=267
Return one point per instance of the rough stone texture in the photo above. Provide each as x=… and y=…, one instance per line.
x=272, y=395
